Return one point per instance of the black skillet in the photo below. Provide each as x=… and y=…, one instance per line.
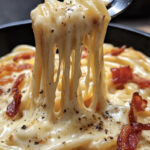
x=17, y=33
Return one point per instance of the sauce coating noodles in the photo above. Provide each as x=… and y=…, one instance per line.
x=73, y=92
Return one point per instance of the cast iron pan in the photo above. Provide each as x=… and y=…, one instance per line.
x=17, y=33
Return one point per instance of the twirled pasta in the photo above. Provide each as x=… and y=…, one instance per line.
x=70, y=100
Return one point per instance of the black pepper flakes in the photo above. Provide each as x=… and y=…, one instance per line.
x=24, y=127
x=36, y=143
x=63, y=23
x=90, y=124
x=106, y=131
x=64, y=142
x=58, y=137
x=81, y=129
x=41, y=91
x=69, y=9
x=106, y=112
x=77, y=111
x=23, y=91
x=65, y=110
x=94, y=117
x=111, y=137
x=118, y=122
x=52, y=31
x=106, y=115
x=99, y=126
x=44, y=105
x=8, y=90
x=57, y=50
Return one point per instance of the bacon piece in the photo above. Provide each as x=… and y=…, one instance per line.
x=117, y=51
x=132, y=118
x=19, y=80
x=128, y=137
x=138, y=103
x=4, y=81
x=121, y=75
x=14, y=68
x=124, y=75
x=9, y=68
x=1, y=92
x=24, y=67
x=4, y=73
x=1, y=69
x=141, y=82
x=27, y=55
x=13, y=107
x=138, y=127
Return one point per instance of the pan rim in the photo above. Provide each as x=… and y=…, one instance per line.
x=115, y=25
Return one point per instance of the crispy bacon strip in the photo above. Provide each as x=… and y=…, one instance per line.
x=19, y=80
x=138, y=104
x=121, y=76
x=13, y=107
x=124, y=75
x=141, y=82
x=17, y=68
x=4, y=81
x=9, y=68
x=128, y=137
x=117, y=51
x=27, y=55
x=1, y=92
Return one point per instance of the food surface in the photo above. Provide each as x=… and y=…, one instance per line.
x=73, y=92
x=21, y=130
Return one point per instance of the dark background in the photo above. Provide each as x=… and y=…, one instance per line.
x=137, y=15
x=16, y=10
